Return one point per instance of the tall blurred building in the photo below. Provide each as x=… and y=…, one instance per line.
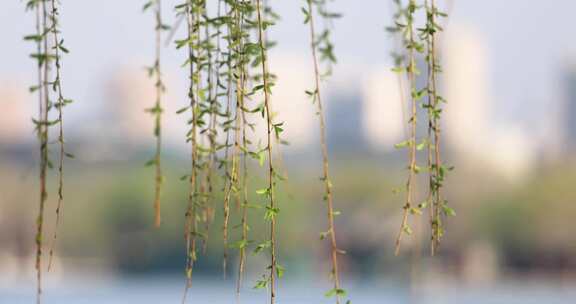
x=569, y=113
x=467, y=113
x=383, y=115
x=129, y=93
x=16, y=121
x=290, y=103
x=471, y=133
x=344, y=119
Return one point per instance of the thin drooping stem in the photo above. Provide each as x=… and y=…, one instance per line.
x=234, y=174
x=411, y=70
x=60, y=104
x=236, y=42
x=236, y=48
x=191, y=216
x=232, y=184
x=430, y=107
x=267, y=107
x=244, y=222
x=434, y=112
x=211, y=131
x=325, y=162
x=242, y=75
x=44, y=57
x=229, y=165
x=42, y=126
x=158, y=114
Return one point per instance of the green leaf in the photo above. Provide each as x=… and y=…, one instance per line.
x=147, y=5
x=271, y=213
x=448, y=211
x=399, y=69
x=182, y=110
x=415, y=211
x=280, y=270
x=261, y=158
x=261, y=284
x=278, y=129
x=63, y=49
x=261, y=247
x=264, y=191
x=421, y=145
x=33, y=38
x=306, y=15
x=239, y=244
x=403, y=144
x=335, y=292
x=407, y=230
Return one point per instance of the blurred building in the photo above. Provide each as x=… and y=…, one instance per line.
x=383, y=117
x=130, y=92
x=569, y=113
x=290, y=103
x=344, y=118
x=471, y=133
x=17, y=103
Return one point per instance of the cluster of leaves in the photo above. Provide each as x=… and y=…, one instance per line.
x=228, y=72
x=322, y=50
x=49, y=49
x=416, y=42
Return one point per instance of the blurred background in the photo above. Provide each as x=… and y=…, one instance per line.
x=509, y=129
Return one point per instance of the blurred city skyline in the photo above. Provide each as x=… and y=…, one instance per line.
x=502, y=91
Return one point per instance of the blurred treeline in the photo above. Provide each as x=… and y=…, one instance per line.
x=108, y=217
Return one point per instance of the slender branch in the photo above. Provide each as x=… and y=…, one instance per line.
x=267, y=106
x=42, y=126
x=434, y=127
x=158, y=114
x=325, y=162
x=229, y=160
x=61, y=103
x=191, y=221
x=411, y=70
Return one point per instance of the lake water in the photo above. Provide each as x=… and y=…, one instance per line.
x=155, y=291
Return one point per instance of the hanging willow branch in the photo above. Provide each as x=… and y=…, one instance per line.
x=237, y=48
x=405, y=25
x=211, y=131
x=61, y=102
x=208, y=108
x=156, y=72
x=437, y=171
x=45, y=162
x=425, y=42
x=233, y=175
x=43, y=57
x=192, y=23
x=271, y=210
x=240, y=51
x=244, y=222
x=228, y=125
x=324, y=46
